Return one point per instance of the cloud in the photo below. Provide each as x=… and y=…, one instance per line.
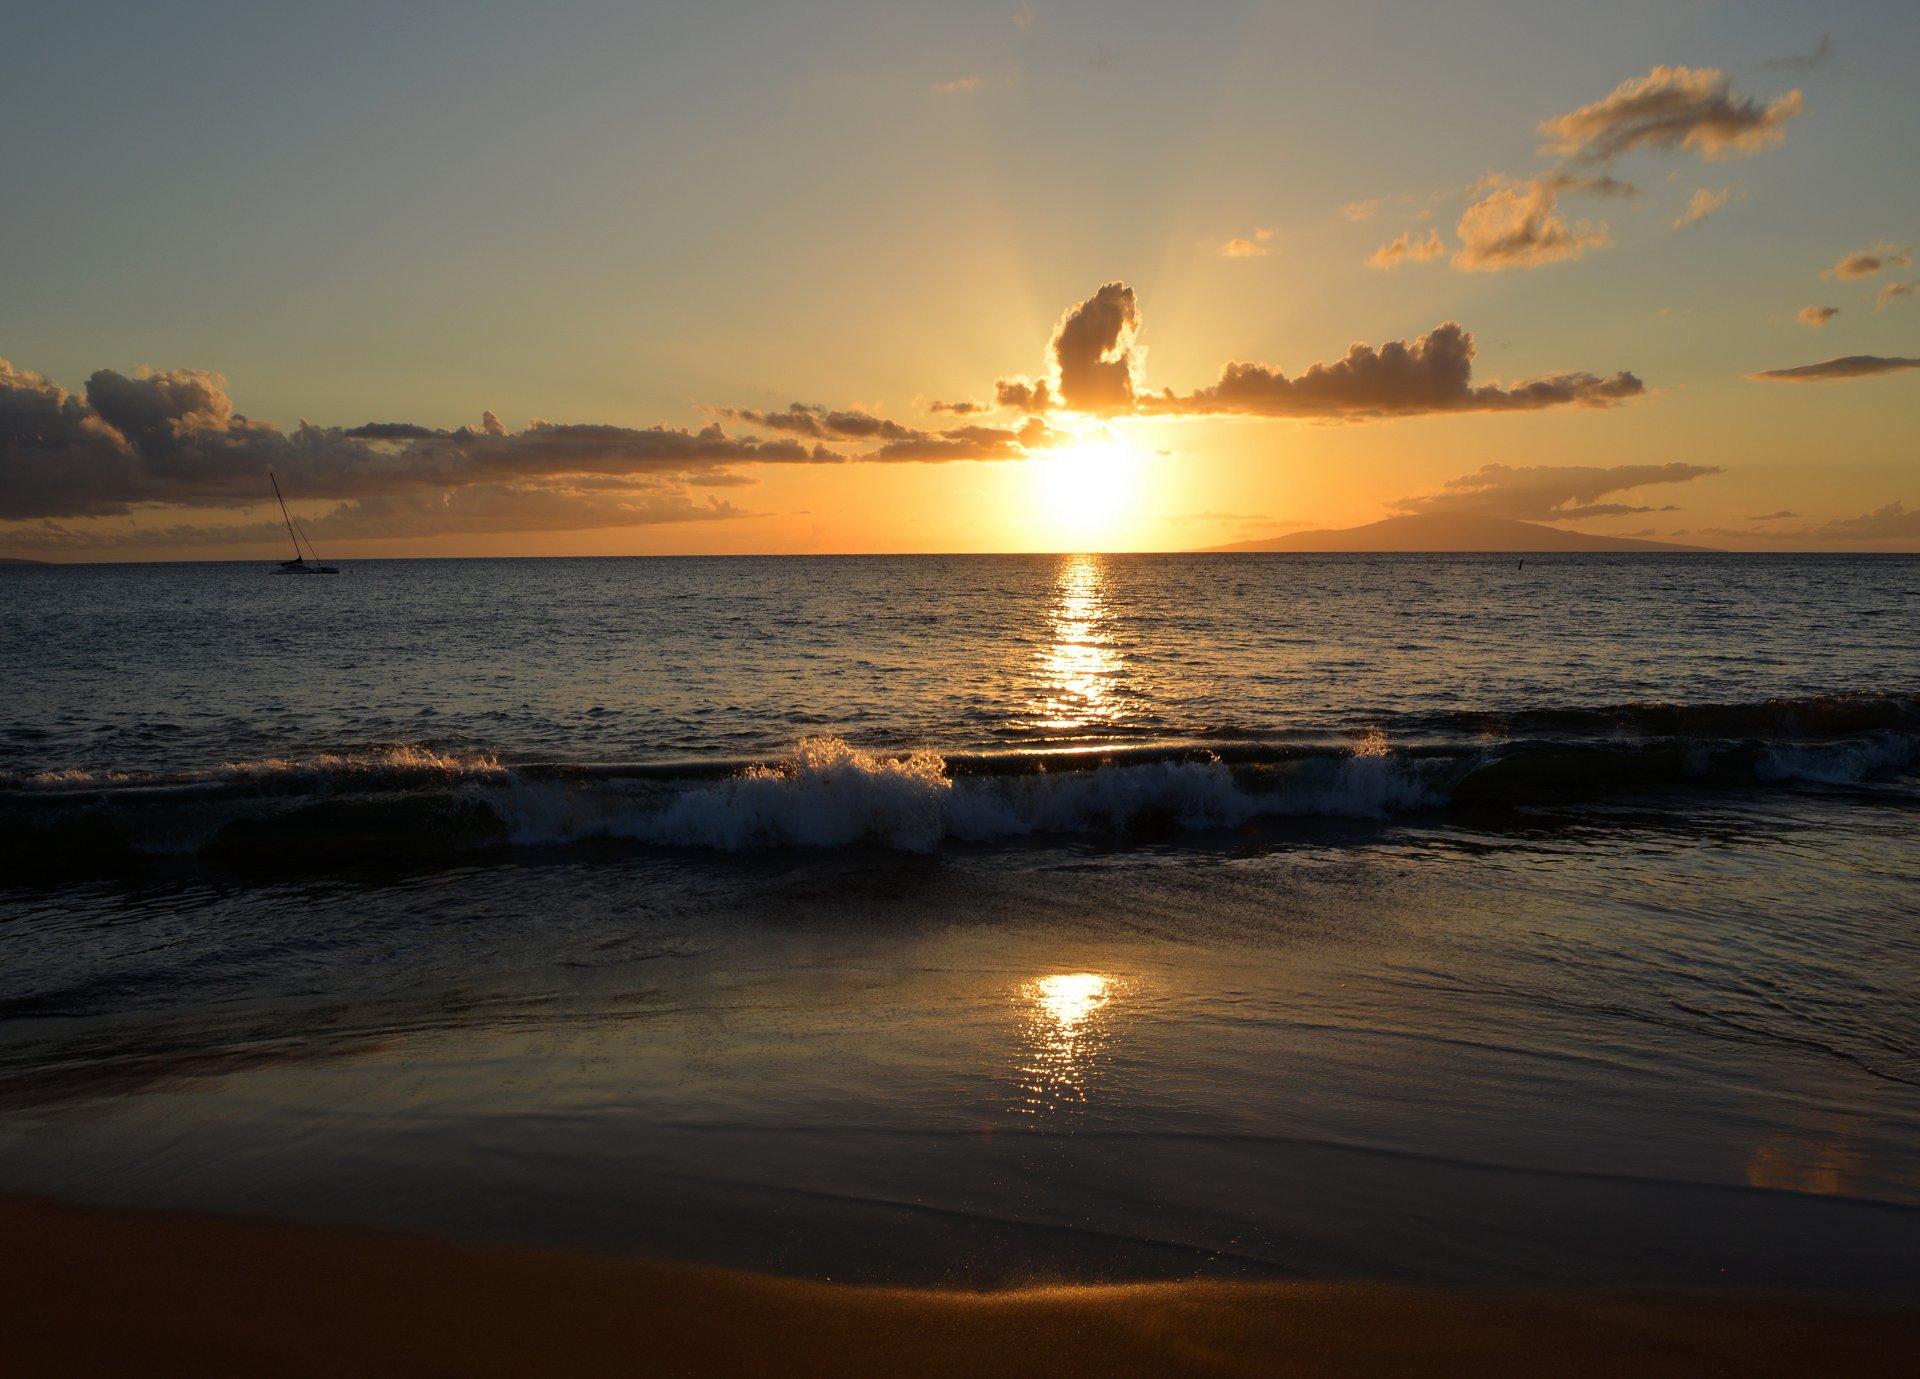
x=1895, y=521
x=1361, y=210
x=1864, y=263
x=1023, y=19
x=1892, y=290
x=151, y=441
x=1700, y=205
x=1671, y=107
x=1849, y=366
x=958, y=85
x=1804, y=62
x=1240, y=247
x=1773, y=516
x=1092, y=356
x=969, y=443
x=174, y=440
x=1406, y=248
x=1096, y=365
x=1515, y=227
x=1431, y=375
x=1816, y=316
x=1550, y=493
x=818, y=423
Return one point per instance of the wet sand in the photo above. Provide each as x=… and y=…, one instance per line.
x=92, y=1292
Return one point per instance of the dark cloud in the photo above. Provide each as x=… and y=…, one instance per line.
x=1672, y=107
x=970, y=443
x=1773, y=516
x=1023, y=396
x=1091, y=349
x=174, y=439
x=1804, y=62
x=1092, y=358
x=1864, y=263
x=1550, y=492
x=1848, y=366
x=392, y=431
x=822, y=424
x=965, y=408
x=1433, y=374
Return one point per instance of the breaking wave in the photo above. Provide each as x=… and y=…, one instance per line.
x=403, y=803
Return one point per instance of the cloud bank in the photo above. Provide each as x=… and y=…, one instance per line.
x=1095, y=362
x=157, y=440
x=147, y=442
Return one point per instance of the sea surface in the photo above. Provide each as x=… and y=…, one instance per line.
x=989, y=919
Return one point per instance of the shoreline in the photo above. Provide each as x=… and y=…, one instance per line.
x=98, y=1291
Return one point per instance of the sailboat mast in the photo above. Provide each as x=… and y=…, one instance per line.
x=285, y=515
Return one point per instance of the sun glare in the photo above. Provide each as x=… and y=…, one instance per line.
x=1091, y=486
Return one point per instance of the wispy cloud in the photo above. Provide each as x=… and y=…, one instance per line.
x=1700, y=205
x=1672, y=107
x=1849, y=366
x=959, y=85
x=1864, y=263
x=1240, y=247
x=1816, y=316
x=1804, y=62
x=1891, y=291
x=1361, y=210
x=1516, y=226
x=1406, y=249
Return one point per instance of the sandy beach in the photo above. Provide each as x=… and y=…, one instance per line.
x=93, y=1292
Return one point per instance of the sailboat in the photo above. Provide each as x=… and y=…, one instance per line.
x=298, y=565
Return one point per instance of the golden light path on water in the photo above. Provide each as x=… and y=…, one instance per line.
x=1067, y=1024
x=1080, y=670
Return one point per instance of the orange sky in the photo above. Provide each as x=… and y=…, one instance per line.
x=1630, y=274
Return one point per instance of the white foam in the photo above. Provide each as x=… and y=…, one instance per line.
x=827, y=794
x=1839, y=763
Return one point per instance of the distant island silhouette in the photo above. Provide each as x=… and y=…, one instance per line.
x=1450, y=532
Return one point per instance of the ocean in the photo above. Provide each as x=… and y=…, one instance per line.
x=984, y=920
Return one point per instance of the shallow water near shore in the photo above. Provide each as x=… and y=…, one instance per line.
x=1523, y=954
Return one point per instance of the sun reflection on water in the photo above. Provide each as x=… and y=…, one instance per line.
x=1079, y=670
x=1066, y=1030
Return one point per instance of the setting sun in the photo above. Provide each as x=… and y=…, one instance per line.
x=1090, y=488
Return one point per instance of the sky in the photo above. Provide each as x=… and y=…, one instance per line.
x=502, y=279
